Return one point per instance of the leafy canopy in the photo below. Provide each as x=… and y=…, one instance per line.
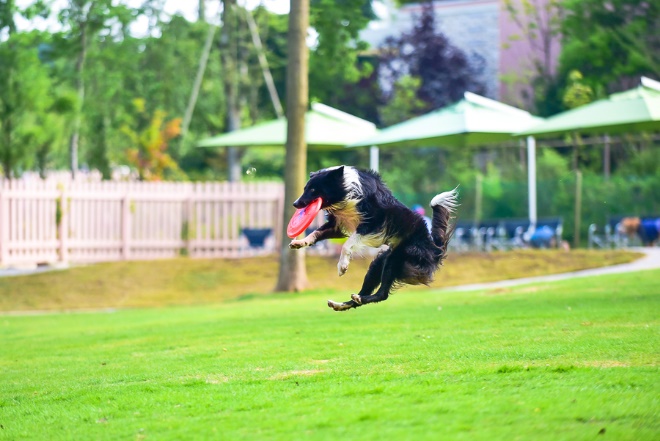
x=611, y=43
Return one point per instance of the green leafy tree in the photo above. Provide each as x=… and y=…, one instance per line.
x=611, y=43
x=83, y=20
x=7, y=10
x=445, y=71
x=334, y=59
x=24, y=98
x=148, y=151
x=404, y=103
x=577, y=93
x=113, y=75
x=48, y=129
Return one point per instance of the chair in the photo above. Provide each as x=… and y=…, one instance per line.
x=257, y=236
x=548, y=233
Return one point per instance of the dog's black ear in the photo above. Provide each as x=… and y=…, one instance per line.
x=312, y=174
x=339, y=171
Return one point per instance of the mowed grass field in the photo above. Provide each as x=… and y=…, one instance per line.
x=572, y=360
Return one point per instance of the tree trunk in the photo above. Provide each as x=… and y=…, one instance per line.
x=7, y=160
x=197, y=84
x=80, y=87
x=42, y=158
x=202, y=11
x=293, y=274
x=263, y=62
x=229, y=53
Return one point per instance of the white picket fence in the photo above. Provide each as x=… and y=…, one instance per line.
x=48, y=222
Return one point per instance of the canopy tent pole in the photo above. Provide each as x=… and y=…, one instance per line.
x=531, y=179
x=374, y=158
x=607, y=157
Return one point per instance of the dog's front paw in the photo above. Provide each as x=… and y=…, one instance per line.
x=338, y=306
x=342, y=266
x=356, y=298
x=297, y=244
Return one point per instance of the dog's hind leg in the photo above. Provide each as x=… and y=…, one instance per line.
x=375, y=273
x=371, y=281
x=342, y=306
x=388, y=276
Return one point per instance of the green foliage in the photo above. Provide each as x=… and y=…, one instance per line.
x=577, y=93
x=611, y=43
x=404, y=103
x=445, y=71
x=149, y=142
x=7, y=11
x=49, y=129
x=633, y=188
x=334, y=60
x=26, y=96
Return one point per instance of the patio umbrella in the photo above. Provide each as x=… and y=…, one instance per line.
x=326, y=129
x=635, y=110
x=473, y=121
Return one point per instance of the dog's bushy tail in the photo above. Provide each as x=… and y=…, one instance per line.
x=443, y=206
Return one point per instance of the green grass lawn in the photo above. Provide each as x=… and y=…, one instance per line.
x=573, y=360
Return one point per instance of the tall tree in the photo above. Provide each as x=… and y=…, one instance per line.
x=334, y=60
x=201, y=10
x=7, y=11
x=445, y=71
x=149, y=143
x=25, y=96
x=83, y=20
x=611, y=43
x=292, y=273
x=229, y=47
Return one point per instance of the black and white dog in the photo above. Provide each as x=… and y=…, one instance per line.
x=361, y=207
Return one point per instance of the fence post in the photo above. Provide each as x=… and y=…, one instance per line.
x=125, y=226
x=578, y=208
x=4, y=230
x=64, y=225
x=188, y=206
x=478, y=199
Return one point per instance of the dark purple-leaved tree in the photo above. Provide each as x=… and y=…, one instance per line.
x=445, y=71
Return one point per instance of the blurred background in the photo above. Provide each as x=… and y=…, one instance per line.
x=111, y=111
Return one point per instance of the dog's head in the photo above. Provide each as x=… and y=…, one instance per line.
x=327, y=184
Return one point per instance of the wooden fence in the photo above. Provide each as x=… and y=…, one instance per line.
x=47, y=222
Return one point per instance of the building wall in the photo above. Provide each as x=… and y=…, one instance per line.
x=517, y=55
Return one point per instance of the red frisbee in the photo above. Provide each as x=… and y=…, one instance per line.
x=303, y=218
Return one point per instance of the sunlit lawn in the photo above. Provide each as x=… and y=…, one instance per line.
x=203, y=281
x=574, y=360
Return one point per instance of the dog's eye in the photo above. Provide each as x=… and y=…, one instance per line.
x=312, y=190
